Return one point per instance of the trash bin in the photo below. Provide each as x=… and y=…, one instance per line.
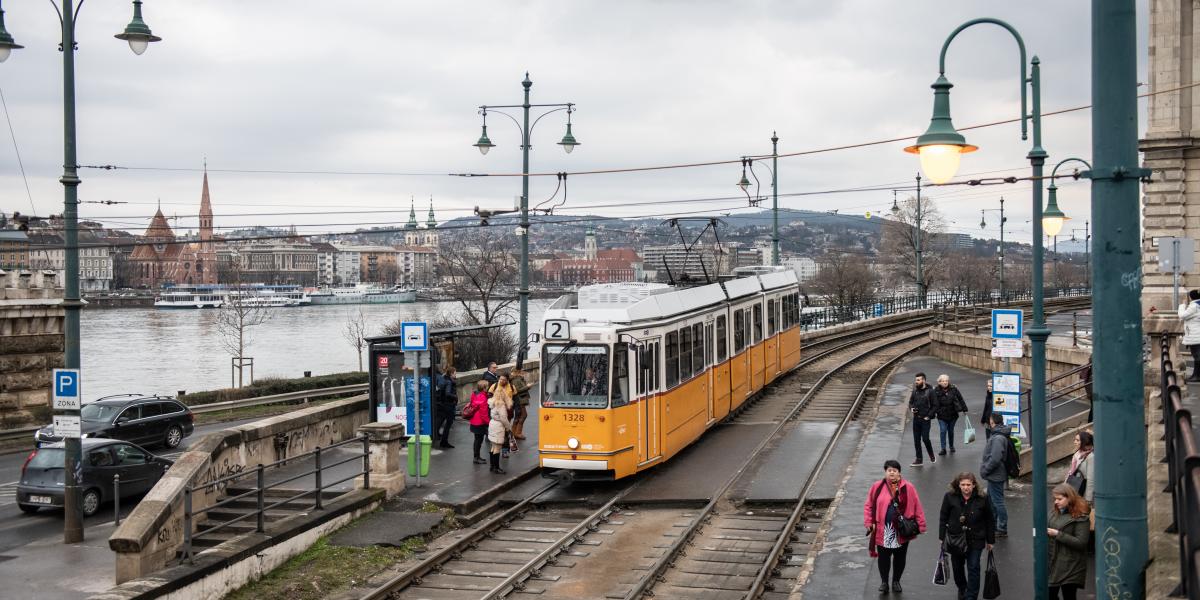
x=426, y=445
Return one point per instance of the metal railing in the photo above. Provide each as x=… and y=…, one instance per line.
x=261, y=487
x=1059, y=393
x=1183, y=471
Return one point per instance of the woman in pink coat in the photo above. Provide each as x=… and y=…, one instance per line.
x=887, y=500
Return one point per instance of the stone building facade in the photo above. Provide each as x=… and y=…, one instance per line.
x=31, y=344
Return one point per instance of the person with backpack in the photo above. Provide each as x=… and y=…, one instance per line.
x=999, y=456
x=966, y=526
x=893, y=516
x=949, y=402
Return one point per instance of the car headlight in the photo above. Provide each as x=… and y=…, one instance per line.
x=85, y=435
x=573, y=443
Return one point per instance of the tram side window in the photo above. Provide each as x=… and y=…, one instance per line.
x=795, y=309
x=672, y=359
x=709, y=338
x=620, y=383
x=739, y=331
x=685, y=353
x=697, y=348
x=722, y=339
x=771, y=317
x=758, y=329
x=785, y=311
x=648, y=369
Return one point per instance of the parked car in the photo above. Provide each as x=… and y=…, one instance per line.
x=41, y=483
x=137, y=418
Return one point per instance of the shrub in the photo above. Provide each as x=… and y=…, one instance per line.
x=270, y=386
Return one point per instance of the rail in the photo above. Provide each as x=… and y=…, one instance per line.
x=1183, y=470
x=818, y=317
x=260, y=489
x=1066, y=393
x=356, y=388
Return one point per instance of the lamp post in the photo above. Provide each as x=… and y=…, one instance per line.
x=1087, y=252
x=983, y=225
x=744, y=183
x=940, y=149
x=1054, y=217
x=484, y=144
x=920, y=274
x=138, y=35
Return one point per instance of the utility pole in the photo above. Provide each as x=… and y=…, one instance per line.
x=1002, y=220
x=1121, y=526
x=775, y=202
x=920, y=274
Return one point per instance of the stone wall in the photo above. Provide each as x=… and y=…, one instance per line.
x=31, y=343
x=975, y=352
x=153, y=532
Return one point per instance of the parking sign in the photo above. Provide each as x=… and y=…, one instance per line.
x=65, y=393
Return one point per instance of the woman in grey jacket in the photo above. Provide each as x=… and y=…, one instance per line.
x=1190, y=315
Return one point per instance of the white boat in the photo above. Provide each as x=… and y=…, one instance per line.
x=216, y=296
x=189, y=299
x=362, y=294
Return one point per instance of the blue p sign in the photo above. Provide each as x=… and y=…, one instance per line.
x=66, y=389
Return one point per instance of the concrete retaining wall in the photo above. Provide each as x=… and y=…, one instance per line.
x=467, y=379
x=975, y=352
x=153, y=533
x=31, y=343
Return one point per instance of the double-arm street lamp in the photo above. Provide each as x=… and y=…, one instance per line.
x=940, y=149
x=484, y=144
x=745, y=185
x=138, y=35
x=920, y=216
x=1087, y=251
x=983, y=225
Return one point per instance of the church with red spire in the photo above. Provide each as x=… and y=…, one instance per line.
x=163, y=259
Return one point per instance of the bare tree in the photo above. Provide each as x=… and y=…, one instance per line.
x=900, y=241
x=845, y=280
x=354, y=332
x=969, y=276
x=478, y=270
x=238, y=315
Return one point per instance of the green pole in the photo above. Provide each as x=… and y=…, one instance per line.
x=524, y=233
x=920, y=271
x=1002, y=248
x=1121, y=532
x=72, y=509
x=775, y=202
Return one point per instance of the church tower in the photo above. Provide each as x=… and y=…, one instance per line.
x=431, y=234
x=412, y=237
x=206, y=260
x=589, y=245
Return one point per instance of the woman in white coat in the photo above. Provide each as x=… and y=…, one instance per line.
x=1190, y=315
x=499, y=406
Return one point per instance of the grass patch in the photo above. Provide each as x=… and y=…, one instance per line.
x=270, y=386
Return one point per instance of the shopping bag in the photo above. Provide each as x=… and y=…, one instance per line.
x=969, y=433
x=939, y=572
x=991, y=579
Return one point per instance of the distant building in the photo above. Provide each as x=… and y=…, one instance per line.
x=597, y=266
x=47, y=251
x=417, y=266
x=337, y=265
x=953, y=241
x=14, y=250
x=806, y=268
x=674, y=261
x=163, y=258
x=290, y=261
x=414, y=235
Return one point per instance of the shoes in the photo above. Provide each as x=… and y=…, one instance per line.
x=942, y=453
x=1001, y=534
x=883, y=588
x=446, y=446
x=932, y=459
x=915, y=463
x=499, y=471
x=951, y=450
x=479, y=461
x=896, y=589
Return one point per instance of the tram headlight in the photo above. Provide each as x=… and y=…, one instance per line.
x=573, y=443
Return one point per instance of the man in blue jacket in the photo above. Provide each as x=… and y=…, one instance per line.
x=994, y=472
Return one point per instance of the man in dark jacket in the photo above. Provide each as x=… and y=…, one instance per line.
x=949, y=403
x=445, y=406
x=986, y=418
x=924, y=410
x=993, y=471
x=492, y=374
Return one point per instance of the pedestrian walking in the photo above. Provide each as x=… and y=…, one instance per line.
x=924, y=410
x=966, y=526
x=893, y=516
x=492, y=374
x=503, y=383
x=1067, y=530
x=950, y=404
x=520, y=401
x=499, y=427
x=993, y=470
x=445, y=406
x=479, y=418
x=986, y=418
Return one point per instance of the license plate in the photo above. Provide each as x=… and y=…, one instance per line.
x=41, y=500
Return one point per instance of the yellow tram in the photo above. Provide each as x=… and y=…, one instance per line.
x=631, y=373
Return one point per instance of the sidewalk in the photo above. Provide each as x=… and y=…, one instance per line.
x=843, y=569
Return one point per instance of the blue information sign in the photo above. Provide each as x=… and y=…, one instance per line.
x=410, y=396
x=1008, y=324
x=414, y=337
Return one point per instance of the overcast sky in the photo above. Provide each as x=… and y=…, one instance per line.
x=394, y=87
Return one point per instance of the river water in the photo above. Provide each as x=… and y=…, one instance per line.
x=147, y=350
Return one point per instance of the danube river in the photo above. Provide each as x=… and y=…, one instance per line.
x=147, y=350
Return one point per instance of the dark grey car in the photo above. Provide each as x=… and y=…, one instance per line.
x=42, y=485
x=149, y=420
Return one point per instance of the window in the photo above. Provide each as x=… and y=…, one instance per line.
x=647, y=369
x=100, y=458
x=758, y=318
x=620, y=384
x=722, y=335
x=130, y=414
x=685, y=352
x=698, y=348
x=771, y=317
x=152, y=409
x=128, y=455
x=171, y=407
x=709, y=338
x=739, y=331
x=672, y=359
x=575, y=376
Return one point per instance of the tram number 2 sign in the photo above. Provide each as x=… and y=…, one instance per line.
x=558, y=329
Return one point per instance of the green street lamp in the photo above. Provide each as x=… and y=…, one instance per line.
x=941, y=148
x=484, y=144
x=744, y=184
x=1053, y=217
x=138, y=35
x=1003, y=221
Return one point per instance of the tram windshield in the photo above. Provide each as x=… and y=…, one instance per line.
x=575, y=376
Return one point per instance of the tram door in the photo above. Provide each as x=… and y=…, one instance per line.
x=648, y=423
x=710, y=370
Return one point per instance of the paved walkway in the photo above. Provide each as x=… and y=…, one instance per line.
x=843, y=568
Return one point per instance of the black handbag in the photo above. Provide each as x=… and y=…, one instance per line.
x=905, y=526
x=991, y=579
x=960, y=542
